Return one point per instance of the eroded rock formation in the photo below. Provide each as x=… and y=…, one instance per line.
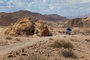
x=26, y=26
x=41, y=29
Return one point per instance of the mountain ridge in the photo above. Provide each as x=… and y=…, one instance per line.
x=85, y=15
x=8, y=18
x=79, y=22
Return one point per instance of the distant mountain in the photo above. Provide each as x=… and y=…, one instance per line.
x=78, y=22
x=86, y=15
x=8, y=18
x=71, y=17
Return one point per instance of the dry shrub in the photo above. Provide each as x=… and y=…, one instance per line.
x=17, y=39
x=60, y=44
x=67, y=44
x=9, y=38
x=88, y=31
x=68, y=53
x=56, y=44
x=88, y=40
x=51, y=39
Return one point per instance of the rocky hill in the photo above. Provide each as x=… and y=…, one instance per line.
x=7, y=18
x=86, y=15
x=79, y=22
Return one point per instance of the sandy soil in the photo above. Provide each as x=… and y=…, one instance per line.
x=20, y=47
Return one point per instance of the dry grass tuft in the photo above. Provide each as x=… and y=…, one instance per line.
x=56, y=44
x=9, y=38
x=67, y=44
x=60, y=44
x=18, y=39
x=68, y=53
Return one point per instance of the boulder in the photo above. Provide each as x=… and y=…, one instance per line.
x=41, y=29
x=26, y=26
x=22, y=27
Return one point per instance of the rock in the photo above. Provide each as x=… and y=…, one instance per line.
x=22, y=27
x=41, y=29
x=26, y=27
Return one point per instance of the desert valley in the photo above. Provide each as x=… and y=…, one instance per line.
x=26, y=35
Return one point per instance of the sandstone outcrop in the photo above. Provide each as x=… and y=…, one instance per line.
x=41, y=29
x=26, y=26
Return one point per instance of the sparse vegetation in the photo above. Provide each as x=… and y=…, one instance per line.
x=88, y=40
x=18, y=39
x=88, y=31
x=9, y=38
x=67, y=44
x=51, y=39
x=68, y=53
x=56, y=44
x=60, y=44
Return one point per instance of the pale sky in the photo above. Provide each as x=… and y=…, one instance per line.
x=61, y=7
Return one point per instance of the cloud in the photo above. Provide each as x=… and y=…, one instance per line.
x=1, y=1
x=85, y=1
x=61, y=7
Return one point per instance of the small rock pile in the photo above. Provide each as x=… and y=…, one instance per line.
x=26, y=26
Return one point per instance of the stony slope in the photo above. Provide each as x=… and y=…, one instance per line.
x=79, y=22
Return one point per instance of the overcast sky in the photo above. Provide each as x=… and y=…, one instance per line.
x=61, y=7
